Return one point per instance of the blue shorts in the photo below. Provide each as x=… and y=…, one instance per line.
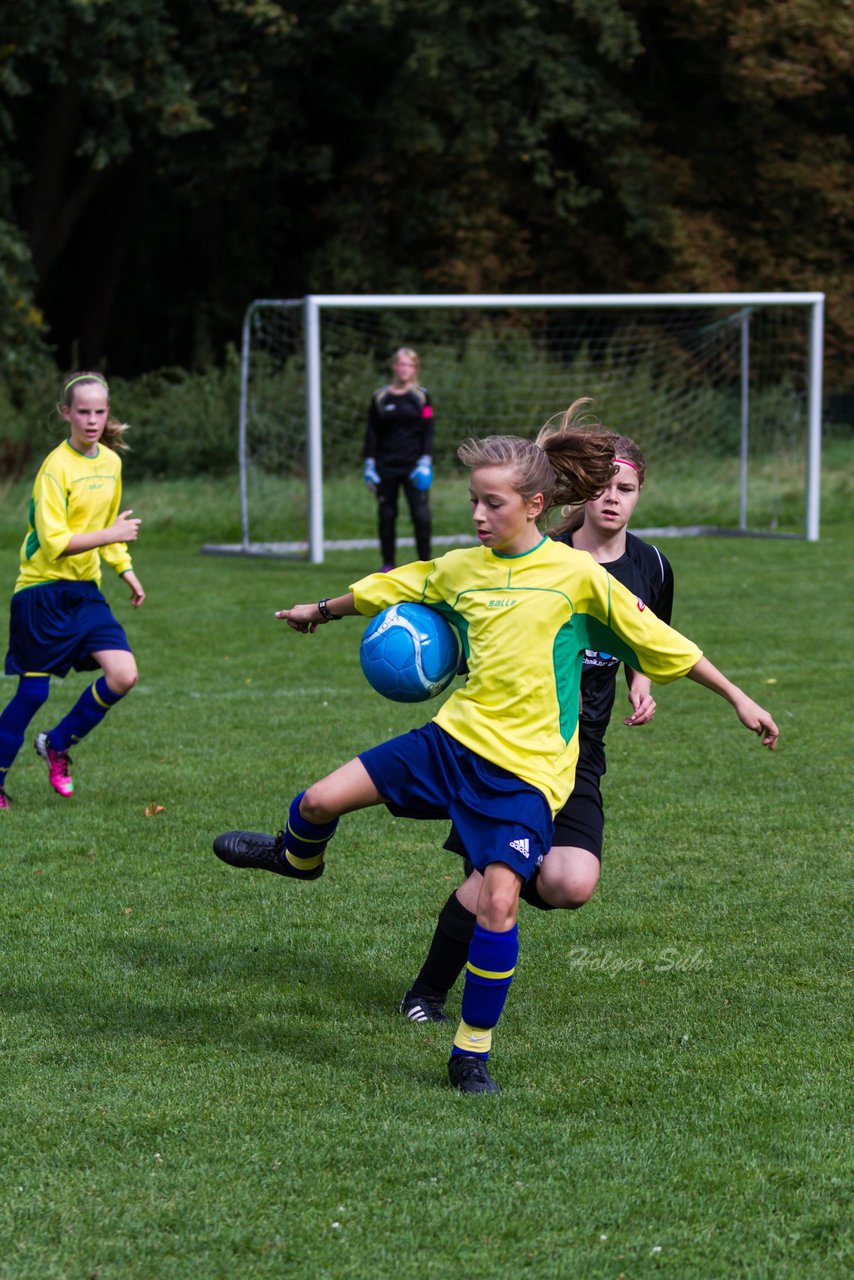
x=578, y=825
x=428, y=774
x=57, y=626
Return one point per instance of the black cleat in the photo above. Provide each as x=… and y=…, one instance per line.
x=253, y=849
x=469, y=1074
x=419, y=1007
x=261, y=853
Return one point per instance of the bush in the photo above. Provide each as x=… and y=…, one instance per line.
x=23, y=343
x=183, y=424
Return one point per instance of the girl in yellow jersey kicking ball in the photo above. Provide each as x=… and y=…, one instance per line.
x=59, y=620
x=499, y=757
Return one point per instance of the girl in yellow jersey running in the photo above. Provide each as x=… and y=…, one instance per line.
x=59, y=619
x=499, y=757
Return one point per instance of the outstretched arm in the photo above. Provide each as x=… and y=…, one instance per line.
x=308, y=617
x=751, y=715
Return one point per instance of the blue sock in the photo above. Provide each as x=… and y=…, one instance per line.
x=31, y=694
x=87, y=712
x=305, y=842
x=489, y=972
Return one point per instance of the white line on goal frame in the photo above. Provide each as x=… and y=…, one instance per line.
x=314, y=303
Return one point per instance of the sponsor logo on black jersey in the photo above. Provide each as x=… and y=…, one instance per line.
x=595, y=658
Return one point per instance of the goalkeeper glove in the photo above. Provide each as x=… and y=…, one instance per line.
x=421, y=474
x=371, y=475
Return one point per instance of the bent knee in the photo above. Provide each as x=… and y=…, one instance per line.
x=316, y=802
x=498, y=907
x=121, y=682
x=570, y=897
x=568, y=878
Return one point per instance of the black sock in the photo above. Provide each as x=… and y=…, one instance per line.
x=449, y=949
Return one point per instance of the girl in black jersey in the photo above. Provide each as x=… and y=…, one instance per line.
x=570, y=872
x=398, y=452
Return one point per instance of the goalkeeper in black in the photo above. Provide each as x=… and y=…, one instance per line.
x=398, y=452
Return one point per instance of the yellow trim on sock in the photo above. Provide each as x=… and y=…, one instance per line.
x=307, y=839
x=303, y=864
x=489, y=973
x=100, y=701
x=36, y=673
x=473, y=1039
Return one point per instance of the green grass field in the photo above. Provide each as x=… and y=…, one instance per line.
x=204, y=1073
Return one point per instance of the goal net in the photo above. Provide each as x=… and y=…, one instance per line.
x=721, y=392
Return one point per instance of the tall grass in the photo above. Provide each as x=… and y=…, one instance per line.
x=207, y=509
x=676, y=391
x=679, y=402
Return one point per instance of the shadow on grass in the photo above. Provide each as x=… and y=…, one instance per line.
x=253, y=998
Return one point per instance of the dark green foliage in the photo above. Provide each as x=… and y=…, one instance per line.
x=26, y=368
x=169, y=163
x=184, y=424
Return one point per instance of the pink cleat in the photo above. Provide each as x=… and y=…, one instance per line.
x=4, y=800
x=58, y=772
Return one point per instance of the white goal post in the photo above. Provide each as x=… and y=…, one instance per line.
x=722, y=389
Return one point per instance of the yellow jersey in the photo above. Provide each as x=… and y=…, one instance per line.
x=525, y=622
x=72, y=494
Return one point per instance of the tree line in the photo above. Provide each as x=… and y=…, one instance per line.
x=166, y=163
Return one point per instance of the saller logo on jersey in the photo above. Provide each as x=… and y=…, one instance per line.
x=521, y=846
x=641, y=605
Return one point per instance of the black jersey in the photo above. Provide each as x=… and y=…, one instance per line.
x=399, y=429
x=647, y=573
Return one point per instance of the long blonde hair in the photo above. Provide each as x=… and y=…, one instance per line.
x=410, y=354
x=113, y=436
x=568, y=463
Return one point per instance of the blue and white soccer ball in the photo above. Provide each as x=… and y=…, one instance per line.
x=409, y=653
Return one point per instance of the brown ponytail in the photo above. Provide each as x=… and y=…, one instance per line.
x=567, y=463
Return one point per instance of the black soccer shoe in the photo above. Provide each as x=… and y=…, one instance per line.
x=255, y=850
x=419, y=1007
x=469, y=1074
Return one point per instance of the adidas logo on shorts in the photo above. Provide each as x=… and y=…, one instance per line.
x=521, y=846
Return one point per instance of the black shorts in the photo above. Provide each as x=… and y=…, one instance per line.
x=579, y=824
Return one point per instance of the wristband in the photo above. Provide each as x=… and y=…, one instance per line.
x=326, y=614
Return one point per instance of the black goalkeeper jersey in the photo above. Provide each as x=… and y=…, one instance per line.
x=399, y=430
x=647, y=573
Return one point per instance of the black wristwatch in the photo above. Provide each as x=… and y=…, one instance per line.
x=325, y=612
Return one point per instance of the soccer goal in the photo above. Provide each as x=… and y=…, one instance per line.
x=721, y=391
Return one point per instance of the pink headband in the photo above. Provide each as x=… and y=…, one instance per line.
x=624, y=462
